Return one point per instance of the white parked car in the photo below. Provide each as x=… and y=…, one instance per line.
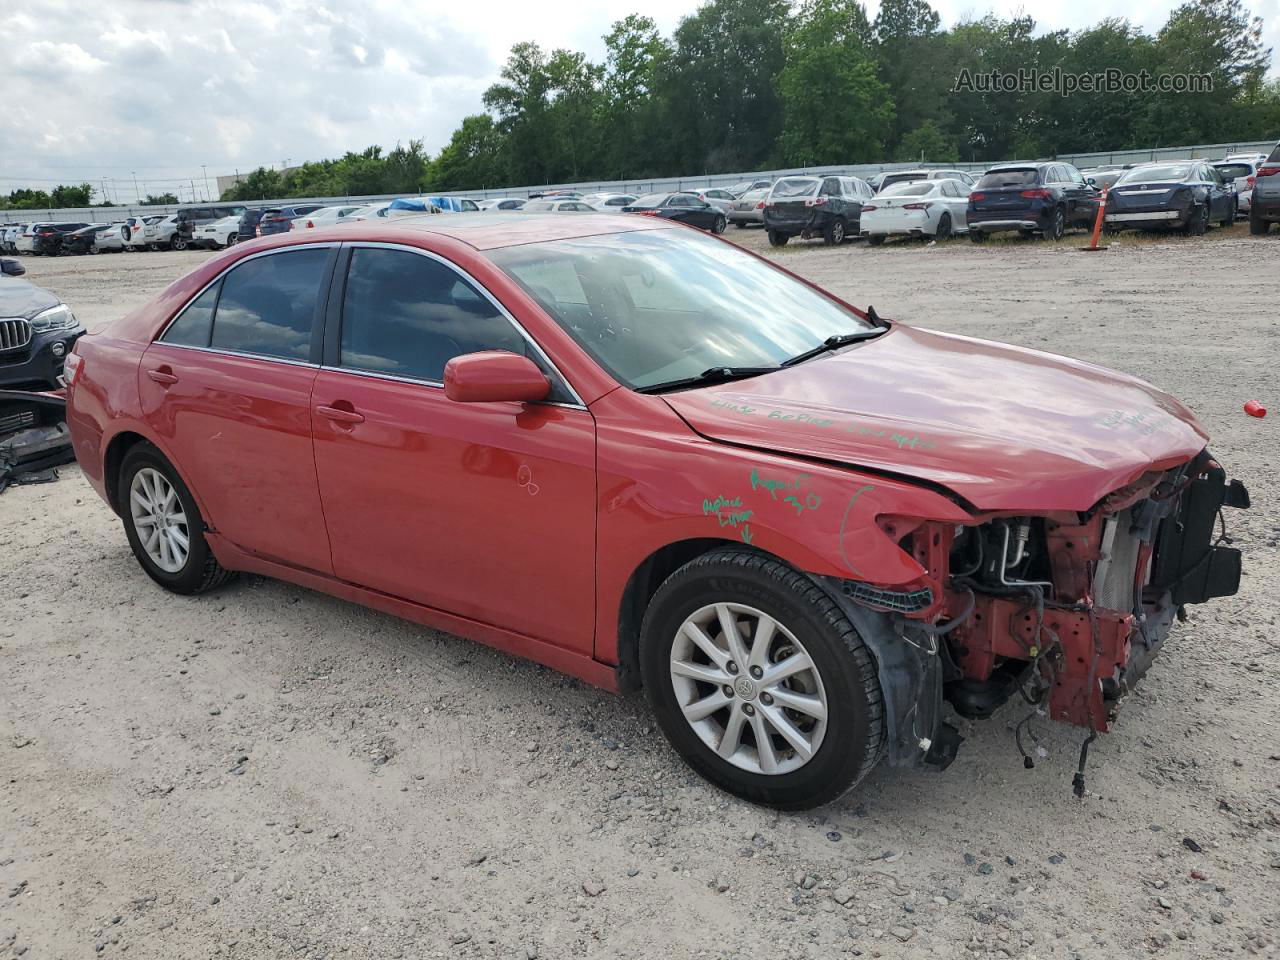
x=324, y=217
x=364, y=213
x=501, y=203
x=558, y=206
x=609, y=202
x=218, y=234
x=25, y=241
x=107, y=239
x=1243, y=172
x=917, y=208
x=156, y=232
x=9, y=237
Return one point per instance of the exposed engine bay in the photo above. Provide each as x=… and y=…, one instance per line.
x=1065, y=610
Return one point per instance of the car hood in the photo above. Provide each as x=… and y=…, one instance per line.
x=1003, y=427
x=18, y=298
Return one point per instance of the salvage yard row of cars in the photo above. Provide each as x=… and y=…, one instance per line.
x=1042, y=198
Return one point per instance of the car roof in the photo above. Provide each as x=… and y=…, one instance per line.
x=484, y=231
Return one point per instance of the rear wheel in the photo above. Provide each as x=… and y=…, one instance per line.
x=1257, y=226
x=777, y=239
x=944, y=228
x=1198, y=222
x=875, y=239
x=164, y=526
x=1057, y=225
x=833, y=233
x=977, y=236
x=720, y=224
x=760, y=682
x=1231, y=215
x=179, y=243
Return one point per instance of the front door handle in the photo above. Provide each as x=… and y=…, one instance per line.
x=339, y=415
x=162, y=376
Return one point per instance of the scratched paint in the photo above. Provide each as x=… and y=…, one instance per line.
x=844, y=520
x=1119, y=420
x=524, y=478
x=902, y=441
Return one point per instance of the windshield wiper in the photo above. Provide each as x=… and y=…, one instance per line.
x=833, y=343
x=712, y=375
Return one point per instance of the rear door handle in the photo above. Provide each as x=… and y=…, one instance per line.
x=340, y=415
x=162, y=376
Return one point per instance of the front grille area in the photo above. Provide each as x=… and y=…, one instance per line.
x=19, y=419
x=14, y=334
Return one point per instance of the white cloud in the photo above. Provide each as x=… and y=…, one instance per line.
x=161, y=87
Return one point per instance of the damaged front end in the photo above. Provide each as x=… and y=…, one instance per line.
x=33, y=436
x=1067, y=610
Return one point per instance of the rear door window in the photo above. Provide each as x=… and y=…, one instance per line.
x=268, y=305
x=192, y=327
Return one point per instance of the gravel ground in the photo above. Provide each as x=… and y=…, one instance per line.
x=267, y=772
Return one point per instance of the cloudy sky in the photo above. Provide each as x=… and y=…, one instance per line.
x=159, y=89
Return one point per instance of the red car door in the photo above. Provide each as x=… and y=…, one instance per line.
x=484, y=510
x=227, y=389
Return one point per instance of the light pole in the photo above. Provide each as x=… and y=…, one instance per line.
x=136, y=192
x=205, y=171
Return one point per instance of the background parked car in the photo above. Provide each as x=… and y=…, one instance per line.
x=187, y=219
x=829, y=207
x=748, y=208
x=746, y=186
x=46, y=239
x=108, y=240
x=324, y=217
x=85, y=239
x=684, y=207
x=716, y=197
x=558, y=206
x=156, y=232
x=1104, y=177
x=1264, y=208
x=501, y=203
x=36, y=334
x=25, y=241
x=9, y=237
x=1177, y=195
x=378, y=210
x=919, y=208
x=909, y=176
x=1242, y=173
x=218, y=234
x=450, y=204
x=609, y=202
x=1031, y=197
x=272, y=220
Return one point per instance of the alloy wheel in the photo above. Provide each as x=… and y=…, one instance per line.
x=748, y=688
x=159, y=520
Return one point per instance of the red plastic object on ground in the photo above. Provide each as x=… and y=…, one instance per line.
x=1254, y=409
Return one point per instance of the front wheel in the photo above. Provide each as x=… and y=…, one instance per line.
x=179, y=243
x=164, y=526
x=833, y=234
x=760, y=681
x=777, y=239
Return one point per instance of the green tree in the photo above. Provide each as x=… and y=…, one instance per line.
x=157, y=200
x=633, y=137
x=520, y=100
x=472, y=159
x=927, y=143
x=80, y=195
x=909, y=49
x=260, y=184
x=835, y=108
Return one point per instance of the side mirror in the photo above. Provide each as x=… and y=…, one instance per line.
x=1092, y=182
x=494, y=376
x=11, y=268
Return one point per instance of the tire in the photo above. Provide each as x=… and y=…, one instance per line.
x=178, y=243
x=153, y=247
x=740, y=224
x=720, y=224
x=1199, y=222
x=777, y=239
x=199, y=570
x=977, y=236
x=834, y=232
x=1257, y=226
x=943, y=232
x=1231, y=216
x=1057, y=226
x=875, y=239
x=742, y=586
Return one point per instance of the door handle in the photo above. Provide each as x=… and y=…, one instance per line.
x=162, y=376
x=339, y=415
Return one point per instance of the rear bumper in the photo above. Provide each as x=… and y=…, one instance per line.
x=1161, y=218
x=1266, y=207
x=998, y=226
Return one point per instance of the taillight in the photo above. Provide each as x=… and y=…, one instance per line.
x=1250, y=182
x=760, y=205
x=918, y=206
x=868, y=207
x=977, y=196
x=815, y=201
x=1268, y=171
x=257, y=231
x=310, y=224
x=1037, y=194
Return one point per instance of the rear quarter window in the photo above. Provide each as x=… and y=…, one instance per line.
x=268, y=304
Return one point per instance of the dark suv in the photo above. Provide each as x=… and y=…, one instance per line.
x=188, y=218
x=830, y=207
x=1031, y=197
x=276, y=219
x=46, y=239
x=1264, y=210
x=37, y=331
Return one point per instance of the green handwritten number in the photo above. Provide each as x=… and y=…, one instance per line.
x=746, y=535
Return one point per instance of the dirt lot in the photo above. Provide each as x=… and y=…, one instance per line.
x=266, y=772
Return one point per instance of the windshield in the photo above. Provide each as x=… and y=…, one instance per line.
x=914, y=188
x=1161, y=173
x=1231, y=171
x=1009, y=178
x=658, y=305
x=648, y=200
x=892, y=178
x=795, y=187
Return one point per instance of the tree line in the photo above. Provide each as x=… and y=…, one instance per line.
x=746, y=85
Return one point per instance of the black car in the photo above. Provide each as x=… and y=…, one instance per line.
x=186, y=219
x=829, y=207
x=1172, y=195
x=1045, y=198
x=37, y=331
x=269, y=220
x=48, y=237
x=84, y=239
x=1264, y=210
x=684, y=207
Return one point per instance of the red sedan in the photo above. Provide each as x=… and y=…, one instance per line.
x=644, y=456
